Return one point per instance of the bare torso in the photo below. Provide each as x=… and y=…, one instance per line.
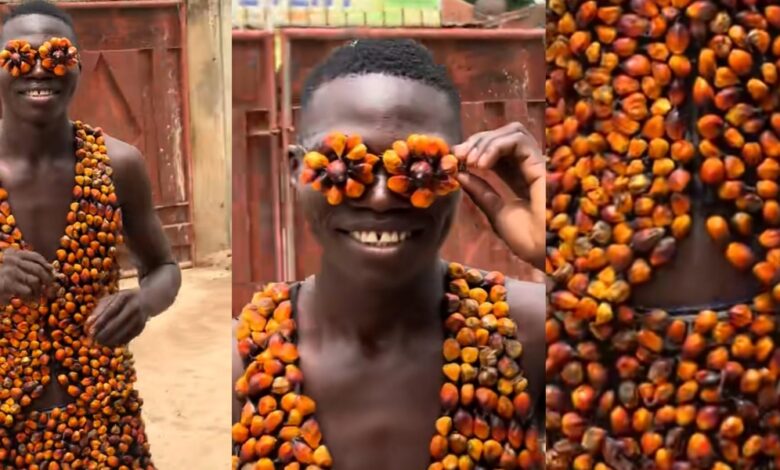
x=377, y=408
x=40, y=193
x=699, y=274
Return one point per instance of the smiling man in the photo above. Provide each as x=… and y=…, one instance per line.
x=68, y=195
x=410, y=362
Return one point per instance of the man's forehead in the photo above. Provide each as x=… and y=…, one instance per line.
x=380, y=107
x=35, y=26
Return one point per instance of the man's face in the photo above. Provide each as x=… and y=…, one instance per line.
x=17, y=93
x=381, y=109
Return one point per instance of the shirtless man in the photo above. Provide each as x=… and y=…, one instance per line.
x=40, y=257
x=370, y=334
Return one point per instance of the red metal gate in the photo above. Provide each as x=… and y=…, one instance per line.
x=256, y=159
x=500, y=76
x=134, y=60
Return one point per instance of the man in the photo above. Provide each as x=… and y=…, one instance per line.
x=73, y=405
x=370, y=322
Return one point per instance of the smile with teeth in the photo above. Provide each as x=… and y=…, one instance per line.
x=380, y=238
x=39, y=93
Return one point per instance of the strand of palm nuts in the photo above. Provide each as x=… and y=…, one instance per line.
x=486, y=408
x=342, y=166
x=485, y=419
x=422, y=168
x=642, y=95
x=48, y=338
x=278, y=428
x=737, y=91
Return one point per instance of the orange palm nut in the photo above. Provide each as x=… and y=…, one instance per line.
x=740, y=255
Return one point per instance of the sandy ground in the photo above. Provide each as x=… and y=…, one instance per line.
x=183, y=363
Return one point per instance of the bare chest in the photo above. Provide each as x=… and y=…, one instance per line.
x=697, y=257
x=378, y=414
x=39, y=200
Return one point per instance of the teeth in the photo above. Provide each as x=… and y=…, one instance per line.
x=39, y=92
x=380, y=238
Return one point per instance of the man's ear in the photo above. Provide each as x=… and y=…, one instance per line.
x=295, y=154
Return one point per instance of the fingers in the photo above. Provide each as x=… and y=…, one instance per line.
x=128, y=323
x=34, y=257
x=16, y=256
x=17, y=283
x=501, y=156
x=43, y=274
x=471, y=150
x=21, y=289
x=28, y=269
x=512, y=153
x=498, y=144
x=520, y=145
x=117, y=319
x=113, y=325
x=461, y=151
x=483, y=194
x=106, y=309
x=35, y=283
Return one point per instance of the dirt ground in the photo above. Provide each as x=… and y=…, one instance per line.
x=183, y=363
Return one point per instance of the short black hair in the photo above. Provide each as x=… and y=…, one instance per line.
x=39, y=7
x=404, y=58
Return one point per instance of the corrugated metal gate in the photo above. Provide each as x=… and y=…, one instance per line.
x=257, y=154
x=134, y=64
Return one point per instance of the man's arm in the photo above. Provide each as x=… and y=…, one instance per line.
x=527, y=305
x=123, y=316
x=158, y=273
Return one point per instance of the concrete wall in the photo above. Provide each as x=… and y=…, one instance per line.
x=209, y=58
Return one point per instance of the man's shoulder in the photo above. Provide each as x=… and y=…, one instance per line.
x=128, y=165
x=123, y=155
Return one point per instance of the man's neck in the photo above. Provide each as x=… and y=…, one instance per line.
x=351, y=308
x=34, y=141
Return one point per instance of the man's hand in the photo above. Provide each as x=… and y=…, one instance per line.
x=118, y=318
x=513, y=154
x=24, y=274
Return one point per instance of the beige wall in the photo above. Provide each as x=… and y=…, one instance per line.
x=209, y=63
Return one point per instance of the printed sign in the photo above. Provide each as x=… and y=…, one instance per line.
x=267, y=14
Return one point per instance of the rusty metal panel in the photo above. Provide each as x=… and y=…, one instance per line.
x=500, y=76
x=134, y=85
x=257, y=155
